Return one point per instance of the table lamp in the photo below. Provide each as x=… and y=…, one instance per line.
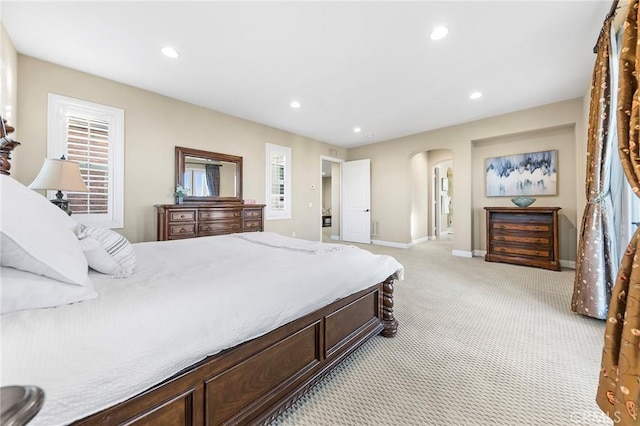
x=60, y=175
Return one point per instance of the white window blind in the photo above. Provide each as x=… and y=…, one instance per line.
x=88, y=145
x=278, y=179
x=277, y=182
x=91, y=135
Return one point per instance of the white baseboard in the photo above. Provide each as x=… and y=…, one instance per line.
x=571, y=264
x=335, y=237
x=461, y=253
x=391, y=244
x=421, y=240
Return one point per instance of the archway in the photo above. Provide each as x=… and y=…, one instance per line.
x=432, y=194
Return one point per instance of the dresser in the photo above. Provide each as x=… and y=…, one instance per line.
x=190, y=220
x=524, y=236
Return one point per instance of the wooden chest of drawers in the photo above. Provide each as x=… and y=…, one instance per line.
x=523, y=236
x=190, y=220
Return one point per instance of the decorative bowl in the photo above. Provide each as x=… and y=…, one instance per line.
x=523, y=201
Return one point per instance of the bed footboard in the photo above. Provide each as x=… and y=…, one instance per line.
x=258, y=380
x=389, y=322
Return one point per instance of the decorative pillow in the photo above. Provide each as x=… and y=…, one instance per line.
x=22, y=290
x=36, y=236
x=107, y=251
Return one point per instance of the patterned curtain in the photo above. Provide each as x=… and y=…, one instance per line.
x=619, y=385
x=597, y=259
x=213, y=179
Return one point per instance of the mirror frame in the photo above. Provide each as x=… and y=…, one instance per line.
x=182, y=152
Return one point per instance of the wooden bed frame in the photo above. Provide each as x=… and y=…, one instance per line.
x=256, y=381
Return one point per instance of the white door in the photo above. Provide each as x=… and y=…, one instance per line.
x=356, y=201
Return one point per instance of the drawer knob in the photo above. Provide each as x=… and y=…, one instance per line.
x=208, y=228
x=182, y=230
x=181, y=216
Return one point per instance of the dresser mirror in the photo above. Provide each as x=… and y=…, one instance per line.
x=209, y=176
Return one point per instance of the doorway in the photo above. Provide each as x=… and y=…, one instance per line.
x=330, y=199
x=443, y=193
x=432, y=195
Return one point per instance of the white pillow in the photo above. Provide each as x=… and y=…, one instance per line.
x=107, y=251
x=36, y=236
x=20, y=290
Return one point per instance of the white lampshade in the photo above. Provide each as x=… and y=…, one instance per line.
x=60, y=175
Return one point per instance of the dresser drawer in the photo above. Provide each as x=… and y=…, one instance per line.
x=182, y=215
x=252, y=213
x=208, y=228
x=541, y=252
x=252, y=225
x=216, y=214
x=515, y=238
x=183, y=230
x=521, y=217
x=528, y=227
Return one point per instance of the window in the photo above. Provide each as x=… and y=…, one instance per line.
x=195, y=181
x=278, y=182
x=92, y=135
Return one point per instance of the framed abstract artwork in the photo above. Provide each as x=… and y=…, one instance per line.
x=533, y=173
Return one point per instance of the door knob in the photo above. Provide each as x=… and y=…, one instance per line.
x=366, y=210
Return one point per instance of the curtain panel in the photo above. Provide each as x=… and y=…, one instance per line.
x=619, y=384
x=213, y=179
x=597, y=261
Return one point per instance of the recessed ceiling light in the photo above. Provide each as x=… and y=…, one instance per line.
x=170, y=52
x=475, y=95
x=357, y=129
x=439, y=33
x=295, y=104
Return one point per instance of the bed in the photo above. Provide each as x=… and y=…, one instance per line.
x=231, y=335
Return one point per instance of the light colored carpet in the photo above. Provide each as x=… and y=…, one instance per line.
x=479, y=343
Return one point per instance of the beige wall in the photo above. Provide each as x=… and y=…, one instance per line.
x=150, y=142
x=154, y=125
x=420, y=196
x=391, y=179
x=9, y=83
x=561, y=139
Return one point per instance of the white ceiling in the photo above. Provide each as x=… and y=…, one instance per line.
x=365, y=64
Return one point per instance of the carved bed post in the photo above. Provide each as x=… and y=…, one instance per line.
x=6, y=146
x=389, y=323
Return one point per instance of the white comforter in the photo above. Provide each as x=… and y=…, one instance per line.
x=188, y=299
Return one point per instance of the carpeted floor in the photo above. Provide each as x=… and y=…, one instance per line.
x=479, y=343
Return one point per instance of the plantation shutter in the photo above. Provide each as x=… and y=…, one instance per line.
x=277, y=182
x=88, y=145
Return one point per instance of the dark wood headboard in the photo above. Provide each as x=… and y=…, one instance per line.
x=6, y=146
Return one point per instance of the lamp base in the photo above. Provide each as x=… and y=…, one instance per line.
x=62, y=203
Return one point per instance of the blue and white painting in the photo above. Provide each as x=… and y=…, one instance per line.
x=534, y=173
